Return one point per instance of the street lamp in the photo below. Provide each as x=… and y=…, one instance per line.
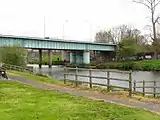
x=64, y=28
x=44, y=29
x=90, y=24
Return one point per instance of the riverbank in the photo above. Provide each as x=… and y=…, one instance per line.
x=143, y=65
x=35, y=103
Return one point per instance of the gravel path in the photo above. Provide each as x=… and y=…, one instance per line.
x=152, y=106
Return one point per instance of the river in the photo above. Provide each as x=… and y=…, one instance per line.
x=57, y=73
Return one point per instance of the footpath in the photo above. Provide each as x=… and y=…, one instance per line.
x=152, y=106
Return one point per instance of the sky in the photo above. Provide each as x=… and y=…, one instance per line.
x=68, y=19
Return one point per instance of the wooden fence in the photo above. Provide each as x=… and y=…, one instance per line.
x=153, y=86
x=91, y=76
x=17, y=68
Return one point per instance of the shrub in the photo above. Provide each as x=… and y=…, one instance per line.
x=145, y=65
x=14, y=55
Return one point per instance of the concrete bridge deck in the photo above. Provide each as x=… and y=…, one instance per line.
x=77, y=52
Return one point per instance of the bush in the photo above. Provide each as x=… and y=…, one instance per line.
x=145, y=65
x=14, y=55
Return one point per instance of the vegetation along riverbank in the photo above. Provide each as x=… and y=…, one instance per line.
x=143, y=65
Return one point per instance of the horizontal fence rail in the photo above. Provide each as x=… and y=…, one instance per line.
x=108, y=78
x=154, y=85
x=139, y=87
x=17, y=68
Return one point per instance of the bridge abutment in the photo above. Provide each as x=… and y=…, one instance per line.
x=71, y=58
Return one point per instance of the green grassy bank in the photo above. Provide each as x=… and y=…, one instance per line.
x=23, y=102
x=143, y=65
x=45, y=60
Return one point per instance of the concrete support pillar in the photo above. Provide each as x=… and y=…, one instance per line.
x=40, y=58
x=71, y=58
x=49, y=58
x=86, y=57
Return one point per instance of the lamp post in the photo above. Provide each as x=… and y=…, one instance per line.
x=44, y=29
x=90, y=29
x=64, y=28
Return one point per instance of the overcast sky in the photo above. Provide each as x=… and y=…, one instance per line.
x=81, y=18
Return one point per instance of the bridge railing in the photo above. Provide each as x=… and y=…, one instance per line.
x=90, y=76
x=17, y=68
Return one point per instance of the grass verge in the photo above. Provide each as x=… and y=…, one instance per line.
x=37, y=77
x=19, y=102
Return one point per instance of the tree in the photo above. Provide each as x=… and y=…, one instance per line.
x=135, y=42
x=131, y=43
x=152, y=5
x=104, y=37
x=115, y=34
x=127, y=48
x=14, y=55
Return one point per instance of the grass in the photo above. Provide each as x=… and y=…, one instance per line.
x=36, y=77
x=23, y=102
x=143, y=65
x=54, y=58
x=45, y=60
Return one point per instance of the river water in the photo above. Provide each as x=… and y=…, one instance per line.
x=58, y=71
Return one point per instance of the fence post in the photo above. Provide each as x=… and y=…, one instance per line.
x=65, y=71
x=76, y=76
x=130, y=83
x=154, y=89
x=143, y=88
x=90, y=78
x=134, y=86
x=108, y=82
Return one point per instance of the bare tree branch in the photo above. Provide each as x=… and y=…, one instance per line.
x=158, y=2
x=149, y=1
x=152, y=5
x=141, y=2
x=156, y=21
x=151, y=36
